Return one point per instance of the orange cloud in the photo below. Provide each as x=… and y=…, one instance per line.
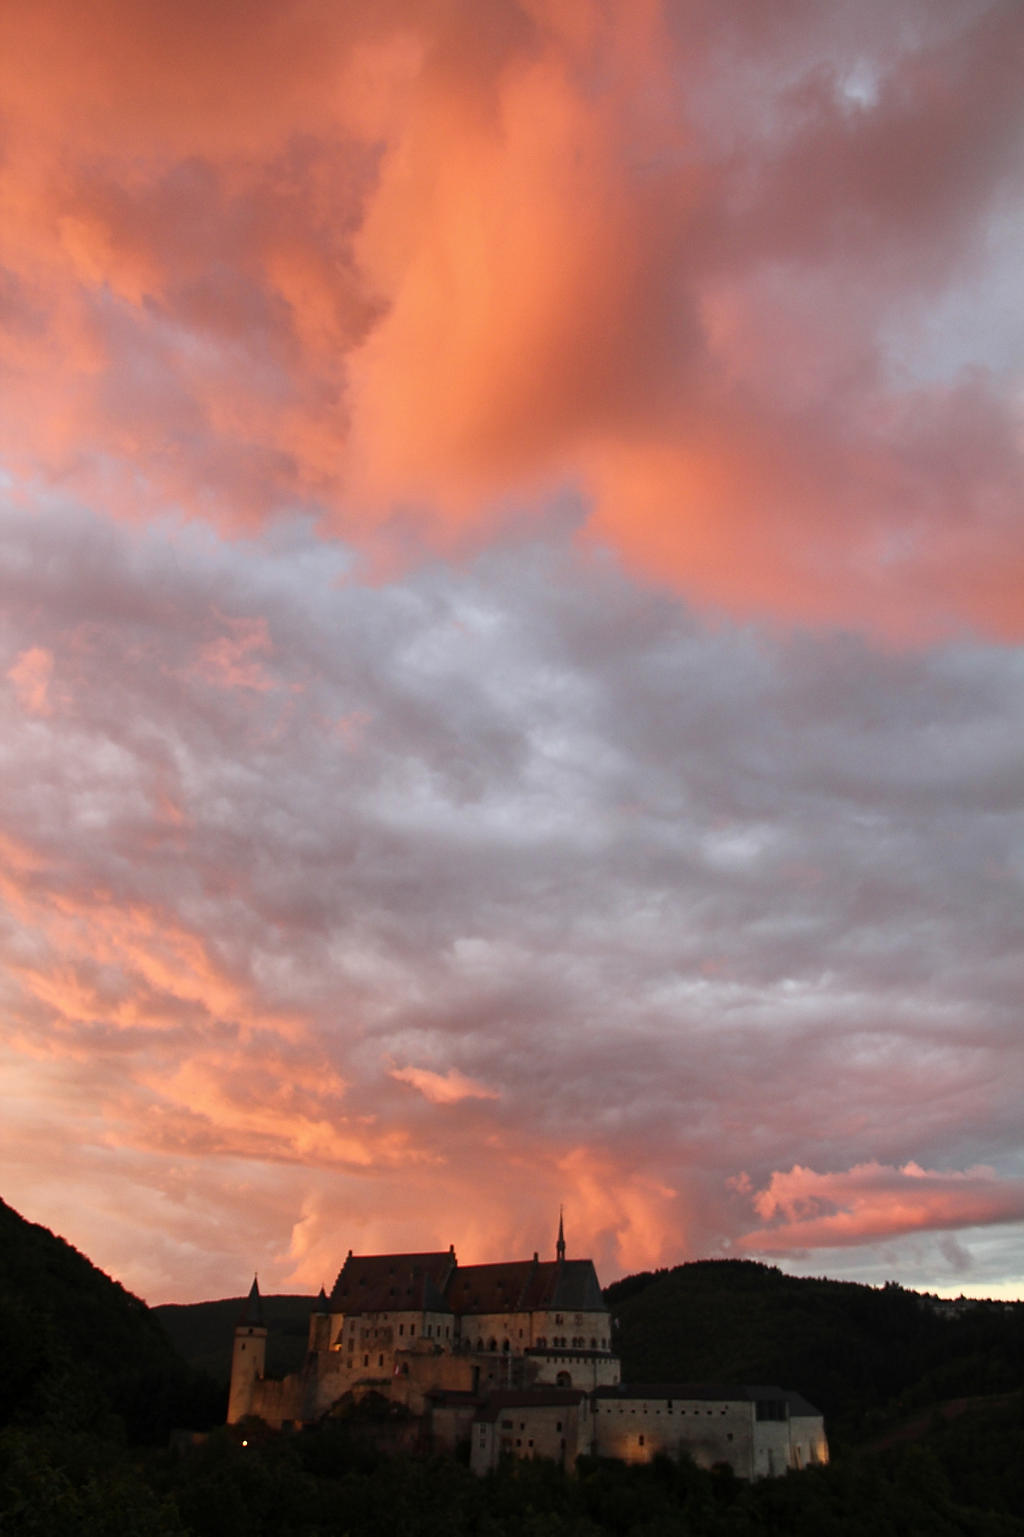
x=31, y=673
x=443, y=1088
x=410, y=267
x=803, y=1209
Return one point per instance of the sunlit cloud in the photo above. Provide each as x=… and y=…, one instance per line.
x=806, y=1210
x=510, y=602
x=442, y=1088
x=30, y=674
x=452, y=263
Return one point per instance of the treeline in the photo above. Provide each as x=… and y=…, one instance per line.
x=965, y=1483
x=865, y=1356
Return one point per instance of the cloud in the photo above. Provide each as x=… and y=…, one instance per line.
x=30, y=674
x=613, y=889
x=452, y=263
x=510, y=573
x=442, y=1088
x=872, y=1201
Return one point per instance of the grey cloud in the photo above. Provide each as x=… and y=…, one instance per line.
x=709, y=898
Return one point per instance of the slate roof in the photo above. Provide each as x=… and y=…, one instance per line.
x=435, y=1282
x=252, y=1313
x=525, y=1285
x=383, y=1283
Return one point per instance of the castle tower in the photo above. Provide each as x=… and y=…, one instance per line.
x=320, y=1323
x=560, y=1245
x=249, y=1357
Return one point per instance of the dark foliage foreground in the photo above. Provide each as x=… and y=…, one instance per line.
x=965, y=1480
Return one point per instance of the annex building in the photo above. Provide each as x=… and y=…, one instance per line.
x=515, y=1359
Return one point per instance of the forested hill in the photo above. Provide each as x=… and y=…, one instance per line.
x=857, y=1352
x=203, y=1332
x=77, y=1348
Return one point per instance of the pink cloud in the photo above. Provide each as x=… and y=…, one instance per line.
x=31, y=674
x=443, y=1088
x=803, y=1209
x=452, y=262
x=231, y=661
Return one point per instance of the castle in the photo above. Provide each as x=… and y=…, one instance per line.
x=514, y=1358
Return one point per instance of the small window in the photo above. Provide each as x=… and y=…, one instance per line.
x=412, y=1328
x=640, y=1440
x=380, y=1360
x=558, y=1425
x=401, y=1328
x=366, y=1360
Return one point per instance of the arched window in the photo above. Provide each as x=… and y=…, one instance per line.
x=563, y=1380
x=505, y=1347
x=492, y=1344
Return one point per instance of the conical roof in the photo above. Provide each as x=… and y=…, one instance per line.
x=252, y=1314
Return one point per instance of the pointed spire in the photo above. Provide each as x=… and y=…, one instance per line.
x=254, y=1305
x=320, y=1305
x=560, y=1246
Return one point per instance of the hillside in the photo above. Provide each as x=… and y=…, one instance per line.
x=203, y=1332
x=859, y=1353
x=77, y=1348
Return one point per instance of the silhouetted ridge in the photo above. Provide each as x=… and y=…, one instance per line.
x=851, y=1348
x=76, y=1347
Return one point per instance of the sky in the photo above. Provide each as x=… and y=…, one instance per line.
x=512, y=635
